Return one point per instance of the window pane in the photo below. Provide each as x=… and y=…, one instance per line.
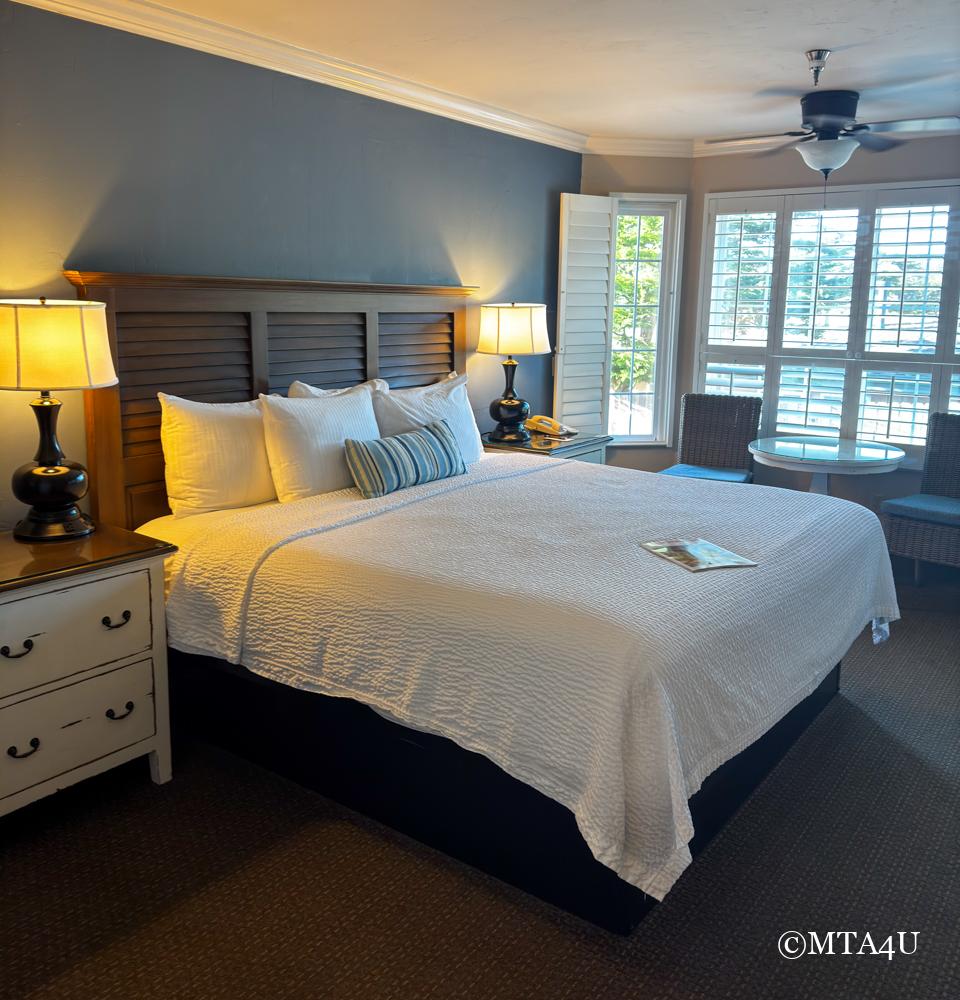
x=905, y=279
x=636, y=315
x=820, y=278
x=733, y=380
x=894, y=406
x=631, y=415
x=742, y=277
x=953, y=405
x=810, y=400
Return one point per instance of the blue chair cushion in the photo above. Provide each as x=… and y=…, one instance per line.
x=705, y=472
x=925, y=507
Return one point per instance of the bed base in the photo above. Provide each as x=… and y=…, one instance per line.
x=442, y=795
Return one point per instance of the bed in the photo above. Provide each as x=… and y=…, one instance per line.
x=490, y=663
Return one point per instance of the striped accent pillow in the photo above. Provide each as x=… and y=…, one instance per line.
x=393, y=463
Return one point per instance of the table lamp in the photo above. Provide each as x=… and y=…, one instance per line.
x=49, y=344
x=512, y=328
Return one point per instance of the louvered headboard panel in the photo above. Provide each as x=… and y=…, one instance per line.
x=328, y=350
x=227, y=339
x=416, y=348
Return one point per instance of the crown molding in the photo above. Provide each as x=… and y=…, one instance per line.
x=734, y=146
x=682, y=148
x=141, y=17
x=614, y=146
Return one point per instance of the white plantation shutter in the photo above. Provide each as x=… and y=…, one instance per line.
x=587, y=229
x=840, y=309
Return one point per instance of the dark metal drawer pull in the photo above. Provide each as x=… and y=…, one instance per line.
x=34, y=747
x=27, y=646
x=110, y=714
x=105, y=621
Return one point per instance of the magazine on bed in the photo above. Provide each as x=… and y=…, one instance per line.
x=696, y=555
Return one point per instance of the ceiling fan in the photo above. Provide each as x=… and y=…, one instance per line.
x=831, y=132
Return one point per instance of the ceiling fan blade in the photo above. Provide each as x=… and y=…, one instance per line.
x=894, y=87
x=786, y=145
x=941, y=124
x=874, y=143
x=745, y=138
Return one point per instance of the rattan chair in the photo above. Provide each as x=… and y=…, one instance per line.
x=925, y=527
x=714, y=434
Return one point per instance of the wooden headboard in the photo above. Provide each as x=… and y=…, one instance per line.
x=227, y=339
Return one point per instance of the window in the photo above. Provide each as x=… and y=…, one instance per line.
x=820, y=279
x=742, y=278
x=842, y=317
x=810, y=400
x=734, y=380
x=953, y=406
x=906, y=272
x=638, y=259
x=894, y=406
x=617, y=315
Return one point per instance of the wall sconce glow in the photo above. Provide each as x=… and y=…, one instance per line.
x=827, y=155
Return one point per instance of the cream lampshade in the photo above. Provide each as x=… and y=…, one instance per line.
x=512, y=328
x=51, y=344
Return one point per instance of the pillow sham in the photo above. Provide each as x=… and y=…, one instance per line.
x=304, y=439
x=303, y=390
x=415, y=391
x=395, y=463
x=402, y=410
x=215, y=455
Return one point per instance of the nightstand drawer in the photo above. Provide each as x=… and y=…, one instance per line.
x=50, y=636
x=50, y=734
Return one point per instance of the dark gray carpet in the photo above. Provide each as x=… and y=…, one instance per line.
x=232, y=883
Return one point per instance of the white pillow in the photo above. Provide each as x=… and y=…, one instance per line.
x=414, y=392
x=215, y=455
x=402, y=410
x=305, y=438
x=303, y=390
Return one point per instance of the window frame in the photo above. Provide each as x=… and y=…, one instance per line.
x=855, y=358
x=673, y=208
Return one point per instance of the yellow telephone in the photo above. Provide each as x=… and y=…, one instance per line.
x=547, y=425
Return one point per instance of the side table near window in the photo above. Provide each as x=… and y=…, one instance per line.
x=583, y=447
x=823, y=457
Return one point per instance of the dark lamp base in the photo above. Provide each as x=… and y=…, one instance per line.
x=510, y=410
x=52, y=526
x=514, y=434
x=50, y=485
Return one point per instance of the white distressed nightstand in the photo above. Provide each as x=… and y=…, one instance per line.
x=83, y=661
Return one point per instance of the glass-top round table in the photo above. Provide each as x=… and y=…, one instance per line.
x=824, y=457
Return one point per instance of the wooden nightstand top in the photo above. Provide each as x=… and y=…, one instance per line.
x=540, y=445
x=23, y=564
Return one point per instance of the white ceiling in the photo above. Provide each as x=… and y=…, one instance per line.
x=663, y=69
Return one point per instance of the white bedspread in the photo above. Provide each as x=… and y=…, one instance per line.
x=513, y=611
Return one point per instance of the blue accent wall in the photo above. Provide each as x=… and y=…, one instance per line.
x=122, y=153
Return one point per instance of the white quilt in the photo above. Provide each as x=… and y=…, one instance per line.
x=513, y=611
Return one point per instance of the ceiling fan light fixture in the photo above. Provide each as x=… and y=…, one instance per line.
x=827, y=155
